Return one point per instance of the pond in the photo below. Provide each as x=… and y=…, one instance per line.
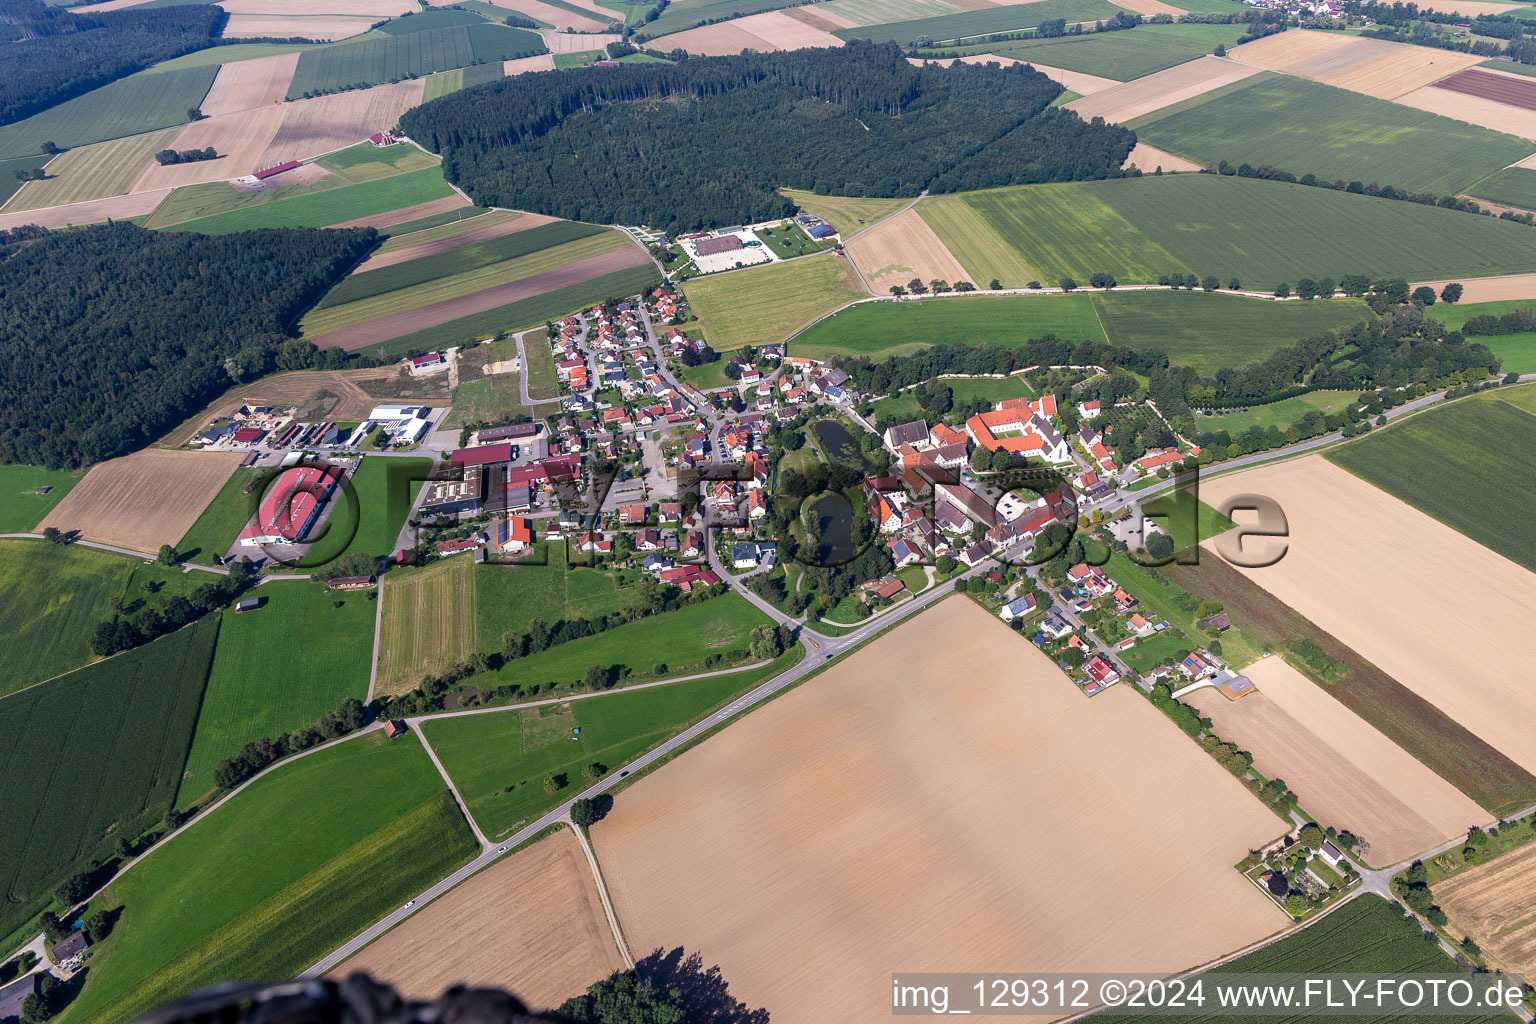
x=828, y=520
x=837, y=444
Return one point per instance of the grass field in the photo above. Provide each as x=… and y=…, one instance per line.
x=769, y=303
x=1278, y=414
x=195, y=202
x=443, y=83
x=91, y=757
x=1516, y=351
x=979, y=22
x=1122, y=55
x=467, y=219
x=259, y=688
x=428, y=622
x=1305, y=127
x=139, y=103
x=330, y=206
x=21, y=507
x=881, y=329
x=904, y=407
x=985, y=254
x=1464, y=464
x=221, y=522
x=216, y=55
x=363, y=162
x=314, y=852
x=384, y=488
x=508, y=597
x=388, y=58
x=1260, y=232
x=847, y=214
x=486, y=399
x=51, y=599
x=95, y=171
x=499, y=761
x=1513, y=186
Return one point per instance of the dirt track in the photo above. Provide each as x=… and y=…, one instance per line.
x=451, y=309
x=143, y=500
x=416, y=252
x=942, y=798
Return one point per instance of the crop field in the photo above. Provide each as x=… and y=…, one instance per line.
x=93, y=172
x=1345, y=773
x=1306, y=127
x=92, y=756
x=499, y=760
x=1124, y=55
x=428, y=622
x=331, y=206
x=387, y=58
x=445, y=219
x=1350, y=582
x=880, y=329
x=1183, y=84
x=901, y=248
x=1500, y=102
x=980, y=22
x=321, y=27
x=21, y=506
x=139, y=103
x=770, y=30
x=51, y=599
x=228, y=54
x=984, y=253
x=245, y=84
x=259, y=688
x=508, y=597
x=1374, y=67
x=1494, y=904
x=1513, y=186
x=143, y=500
x=385, y=490
x=1210, y=330
x=981, y=750
x=314, y=852
x=471, y=222
x=556, y=17
x=768, y=304
x=559, y=941
x=239, y=138
x=1262, y=233
x=845, y=213
x=688, y=13
x=328, y=123
x=1278, y=414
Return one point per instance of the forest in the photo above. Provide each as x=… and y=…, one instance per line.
x=48, y=55
x=111, y=335
x=706, y=141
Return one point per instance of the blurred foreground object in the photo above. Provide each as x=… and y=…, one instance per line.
x=357, y=1000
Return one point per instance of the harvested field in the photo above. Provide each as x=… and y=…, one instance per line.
x=1284, y=50
x=375, y=9
x=325, y=123
x=557, y=17
x=773, y=30
x=1495, y=904
x=570, y=42
x=250, y=83
x=1076, y=81
x=521, y=222
x=95, y=211
x=827, y=21
x=1486, y=113
x=807, y=893
x=1351, y=568
x=240, y=139
x=1401, y=70
x=1149, y=7
x=489, y=298
x=523, y=65
x=1472, y=8
x=427, y=623
x=321, y=28
x=143, y=500
x=531, y=924
x=1154, y=92
x=93, y=172
x=978, y=246
x=1346, y=773
x=1150, y=158
x=901, y=248
x=1491, y=289
x=1374, y=67
x=406, y=214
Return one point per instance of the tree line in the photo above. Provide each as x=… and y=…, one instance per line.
x=186, y=156
x=705, y=142
x=113, y=334
x=50, y=55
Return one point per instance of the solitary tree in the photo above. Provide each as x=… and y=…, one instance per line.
x=1451, y=292
x=53, y=535
x=584, y=813
x=1067, y=284
x=166, y=555
x=1283, y=291
x=1423, y=295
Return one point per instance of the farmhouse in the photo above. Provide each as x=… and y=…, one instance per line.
x=514, y=533
x=73, y=944
x=350, y=583
x=292, y=506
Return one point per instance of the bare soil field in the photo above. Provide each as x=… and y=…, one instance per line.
x=239, y=138
x=94, y=211
x=558, y=17
x=1163, y=89
x=489, y=298
x=901, y=248
x=93, y=172
x=827, y=21
x=315, y=126
x=1346, y=773
x=1492, y=289
x=1401, y=70
x=523, y=65
x=531, y=923
x=405, y=214
x=144, y=500
x=427, y=623
x=940, y=798
x=1511, y=89
x=1406, y=592
x=571, y=42
x=1495, y=904
x=323, y=28
x=773, y=30
x=1284, y=50
x=1150, y=158
x=415, y=252
x=250, y=83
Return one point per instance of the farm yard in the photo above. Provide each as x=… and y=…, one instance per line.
x=927, y=844
x=768, y=304
x=143, y=500
x=901, y=248
x=94, y=755
x=427, y=623
x=315, y=852
x=984, y=253
x=1344, y=773
x=1356, y=584
x=1493, y=904
x=260, y=689
x=51, y=599
x=531, y=924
